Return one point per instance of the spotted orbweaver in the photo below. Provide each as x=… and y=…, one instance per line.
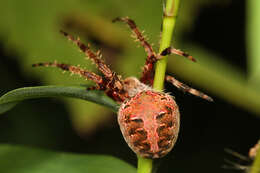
x=149, y=120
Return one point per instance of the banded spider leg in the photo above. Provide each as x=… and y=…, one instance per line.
x=110, y=83
x=152, y=58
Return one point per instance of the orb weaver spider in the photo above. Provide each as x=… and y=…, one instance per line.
x=149, y=120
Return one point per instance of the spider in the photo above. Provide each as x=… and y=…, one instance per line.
x=148, y=119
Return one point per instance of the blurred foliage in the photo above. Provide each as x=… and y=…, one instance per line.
x=29, y=32
x=23, y=159
x=31, y=29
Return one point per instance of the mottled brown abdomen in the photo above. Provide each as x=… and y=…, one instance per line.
x=150, y=122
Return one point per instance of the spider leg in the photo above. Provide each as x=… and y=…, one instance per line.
x=114, y=86
x=148, y=73
x=171, y=50
x=186, y=88
x=75, y=70
x=95, y=57
x=148, y=48
x=102, y=84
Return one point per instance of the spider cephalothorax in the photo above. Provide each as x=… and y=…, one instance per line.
x=148, y=119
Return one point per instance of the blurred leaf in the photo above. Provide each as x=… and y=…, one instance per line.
x=17, y=159
x=10, y=99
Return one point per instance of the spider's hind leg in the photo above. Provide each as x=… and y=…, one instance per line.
x=186, y=88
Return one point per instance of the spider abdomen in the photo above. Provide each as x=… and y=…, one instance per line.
x=149, y=122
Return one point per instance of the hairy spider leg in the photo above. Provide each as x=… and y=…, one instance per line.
x=102, y=84
x=148, y=69
x=148, y=48
x=114, y=86
x=186, y=88
x=75, y=70
x=171, y=50
x=95, y=57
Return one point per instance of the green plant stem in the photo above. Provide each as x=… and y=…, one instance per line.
x=253, y=40
x=144, y=165
x=169, y=20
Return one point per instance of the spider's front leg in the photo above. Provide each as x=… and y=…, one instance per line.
x=148, y=72
x=148, y=48
x=95, y=57
x=152, y=57
x=76, y=70
x=113, y=85
x=186, y=88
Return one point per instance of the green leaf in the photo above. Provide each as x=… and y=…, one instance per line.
x=10, y=99
x=18, y=159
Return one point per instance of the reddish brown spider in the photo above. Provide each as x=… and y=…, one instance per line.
x=148, y=119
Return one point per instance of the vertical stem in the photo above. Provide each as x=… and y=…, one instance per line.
x=253, y=39
x=144, y=165
x=169, y=20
